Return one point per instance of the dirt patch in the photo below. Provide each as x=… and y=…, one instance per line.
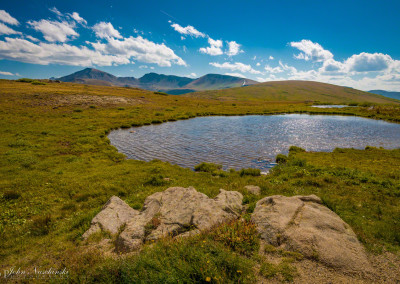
x=386, y=266
x=95, y=100
x=81, y=100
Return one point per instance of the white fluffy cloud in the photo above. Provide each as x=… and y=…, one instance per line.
x=311, y=51
x=78, y=18
x=365, y=62
x=110, y=49
x=7, y=18
x=56, y=11
x=236, y=75
x=233, y=48
x=55, y=31
x=215, y=47
x=237, y=66
x=192, y=75
x=32, y=38
x=276, y=69
x=361, y=63
x=338, y=73
x=271, y=57
x=52, y=53
x=189, y=30
x=8, y=73
x=289, y=69
x=4, y=30
x=140, y=49
x=331, y=66
x=106, y=30
x=364, y=71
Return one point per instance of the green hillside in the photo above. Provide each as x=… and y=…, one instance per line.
x=295, y=91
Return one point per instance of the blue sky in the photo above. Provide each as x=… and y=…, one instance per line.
x=349, y=43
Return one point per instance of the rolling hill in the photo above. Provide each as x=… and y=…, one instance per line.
x=158, y=82
x=295, y=91
x=393, y=95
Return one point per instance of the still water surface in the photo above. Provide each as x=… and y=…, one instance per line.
x=250, y=141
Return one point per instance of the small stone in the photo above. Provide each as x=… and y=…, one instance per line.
x=253, y=189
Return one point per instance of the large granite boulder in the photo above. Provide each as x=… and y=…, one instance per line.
x=114, y=214
x=303, y=224
x=177, y=211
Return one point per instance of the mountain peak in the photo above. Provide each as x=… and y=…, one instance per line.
x=89, y=74
x=156, y=82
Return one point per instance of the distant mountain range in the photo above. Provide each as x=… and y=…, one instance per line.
x=158, y=82
x=393, y=95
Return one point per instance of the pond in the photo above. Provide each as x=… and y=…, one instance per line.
x=331, y=106
x=250, y=141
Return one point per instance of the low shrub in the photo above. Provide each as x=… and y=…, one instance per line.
x=161, y=93
x=157, y=180
x=11, y=195
x=207, y=167
x=281, y=159
x=240, y=236
x=250, y=172
x=41, y=225
x=295, y=149
x=298, y=162
x=220, y=173
x=25, y=80
x=35, y=82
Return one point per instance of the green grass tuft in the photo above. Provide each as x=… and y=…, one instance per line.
x=250, y=172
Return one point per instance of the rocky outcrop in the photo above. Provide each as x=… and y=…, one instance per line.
x=303, y=224
x=178, y=211
x=114, y=214
x=253, y=189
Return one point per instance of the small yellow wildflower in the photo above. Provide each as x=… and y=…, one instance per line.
x=208, y=279
x=239, y=271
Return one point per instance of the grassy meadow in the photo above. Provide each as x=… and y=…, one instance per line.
x=58, y=169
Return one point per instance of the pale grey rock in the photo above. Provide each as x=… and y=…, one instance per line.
x=230, y=201
x=253, y=189
x=114, y=214
x=177, y=211
x=303, y=224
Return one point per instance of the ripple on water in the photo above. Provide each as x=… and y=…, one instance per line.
x=250, y=141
